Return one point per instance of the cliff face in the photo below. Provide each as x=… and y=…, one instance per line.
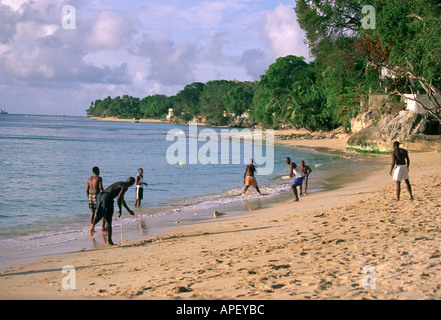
x=375, y=131
x=382, y=123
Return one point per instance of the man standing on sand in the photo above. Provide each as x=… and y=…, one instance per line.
x=105, y=205
x=250, y=180
x=401, y=162
x=298, y=181
x=306, y=170
x=93, y=187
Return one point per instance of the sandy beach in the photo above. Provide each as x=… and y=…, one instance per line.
x=125, y=120
x=355, y=242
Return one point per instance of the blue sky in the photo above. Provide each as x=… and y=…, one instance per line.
x=134, y=47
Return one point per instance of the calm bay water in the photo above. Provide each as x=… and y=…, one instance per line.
x=45, y=162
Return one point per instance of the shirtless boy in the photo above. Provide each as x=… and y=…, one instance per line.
x=306, y=170
x=105, y=205
x=250, y=180
x=401, y=162
x=93, y=187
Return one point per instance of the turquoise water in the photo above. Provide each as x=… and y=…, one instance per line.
x=45, y=162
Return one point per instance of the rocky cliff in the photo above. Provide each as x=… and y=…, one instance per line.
x=374, y=131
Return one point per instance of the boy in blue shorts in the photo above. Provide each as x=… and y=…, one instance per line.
x=300, y=176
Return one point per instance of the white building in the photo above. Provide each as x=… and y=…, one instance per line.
x=415, y=102
x=170, y=113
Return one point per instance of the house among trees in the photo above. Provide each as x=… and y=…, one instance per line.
x=419, y=103
x=170, y=114
x=200, y=119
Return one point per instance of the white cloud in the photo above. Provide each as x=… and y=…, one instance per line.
x=170, y=63
x=40, y=50
x=110, y=31
x=215, y=51
x=14, y=4
x=47, y=71
x=8, y=23
x=284, y=34
x=212, y=15
x=255, y=62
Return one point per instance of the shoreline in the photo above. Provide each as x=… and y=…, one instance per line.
x=81, y=243
x=328, y=142
x=124, y=120
x=138, y=230
x=260, y=249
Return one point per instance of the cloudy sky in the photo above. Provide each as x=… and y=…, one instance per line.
x=55, y=62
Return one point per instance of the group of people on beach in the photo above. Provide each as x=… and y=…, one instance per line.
x=399, y=171
x=301, y=173
x=101, y=201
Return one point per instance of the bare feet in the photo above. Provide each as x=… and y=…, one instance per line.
x=91, y=230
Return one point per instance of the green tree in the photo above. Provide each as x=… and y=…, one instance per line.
x=407, y=44
x=304, y=105
x=155, y=106
x=212, y=100
x=284, y=91
x=343, y=83
x=273, y=85
x=186, y=103
x=326, y=21
x=99, y=107
x=332, y=29
x=239, y=98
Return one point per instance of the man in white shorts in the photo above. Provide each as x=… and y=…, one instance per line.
x=401, y=162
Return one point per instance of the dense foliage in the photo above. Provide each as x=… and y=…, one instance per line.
x=352, y=48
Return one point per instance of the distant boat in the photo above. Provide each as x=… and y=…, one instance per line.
x=3, y=111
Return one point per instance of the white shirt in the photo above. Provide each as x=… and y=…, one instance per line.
x=298, y=172
x=141, y=182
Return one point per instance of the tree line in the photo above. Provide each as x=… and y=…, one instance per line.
x=398, y=50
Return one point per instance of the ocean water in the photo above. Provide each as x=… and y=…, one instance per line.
x=45, y=162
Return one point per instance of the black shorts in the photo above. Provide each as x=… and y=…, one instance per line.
x=139, y=193
x=104, y=203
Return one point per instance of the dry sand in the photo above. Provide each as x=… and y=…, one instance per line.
x=317, y=248
x=125, y=120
